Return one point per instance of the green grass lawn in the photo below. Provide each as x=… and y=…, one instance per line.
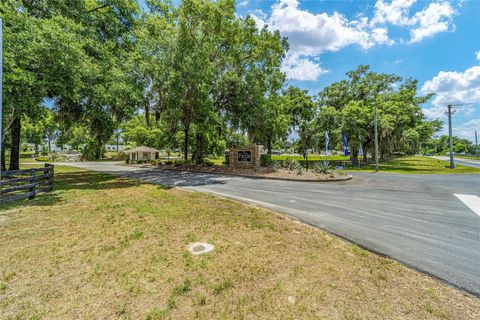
x=312, y=157
x=101, y=247
x=418, y=165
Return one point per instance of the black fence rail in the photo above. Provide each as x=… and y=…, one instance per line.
x=21, y=184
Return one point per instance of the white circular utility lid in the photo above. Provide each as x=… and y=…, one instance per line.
x=199, y=248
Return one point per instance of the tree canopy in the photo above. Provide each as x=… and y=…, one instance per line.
x=193, y=76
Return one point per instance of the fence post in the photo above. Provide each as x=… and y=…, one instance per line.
x=50, y=175
x=33, y=182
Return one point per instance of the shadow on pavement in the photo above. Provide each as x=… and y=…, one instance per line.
x=170, y=178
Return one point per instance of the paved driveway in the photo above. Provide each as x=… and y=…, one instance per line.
x=465, y=162
x=415, y=219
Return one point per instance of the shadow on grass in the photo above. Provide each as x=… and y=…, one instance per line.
x=73, y=179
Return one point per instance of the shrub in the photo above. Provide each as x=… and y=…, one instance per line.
x=57, y=157
x=265, y=160
x=299, y=168
x=321, y=167
x=42, y=159
x=292, y=164
x=227, y=158
x=276, y=165
x=208, y=163
x=168, y=162
x=181, y=162
x=92, y=151
x=115, y=156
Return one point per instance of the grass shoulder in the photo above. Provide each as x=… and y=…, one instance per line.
x=418, y=165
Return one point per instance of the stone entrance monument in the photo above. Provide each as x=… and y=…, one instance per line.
x=248, y=156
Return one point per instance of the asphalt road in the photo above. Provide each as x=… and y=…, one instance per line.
x=465, y=162
x=415, y=219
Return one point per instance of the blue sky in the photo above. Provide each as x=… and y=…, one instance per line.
x=436, y=42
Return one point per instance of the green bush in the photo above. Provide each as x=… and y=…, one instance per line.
x=276, y=165
x=227, y=158
x=169, y=162
x=208, y=163
x=265, y=160
x=181, y=162
x=321, y=167
x=42, y=159
x=92, y=151
x=57, y=157
x=298, y=167
x=115, y=156
x=292, y=164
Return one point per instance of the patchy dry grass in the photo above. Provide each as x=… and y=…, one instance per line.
x=106, y=248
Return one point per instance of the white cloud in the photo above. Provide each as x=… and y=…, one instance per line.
x=467, y=129
x=302, y=69
x=434, y=112
x=477, y=55
x=243, y=3
x=396, y=12
x=259, y=17
x=435, y=18
x=311, y=34
x=456, y=88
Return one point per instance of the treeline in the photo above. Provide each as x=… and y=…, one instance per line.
x=193, y=76
x=441, y=146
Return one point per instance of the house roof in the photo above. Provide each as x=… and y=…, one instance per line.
x=142, y=149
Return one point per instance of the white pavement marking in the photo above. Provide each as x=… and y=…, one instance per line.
x=471, y=201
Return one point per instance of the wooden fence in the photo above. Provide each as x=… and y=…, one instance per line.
x=20, y=184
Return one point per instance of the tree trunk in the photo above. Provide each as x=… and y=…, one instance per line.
x=306, y=160
x=365, y=158
x=147, y=115
x=15, y=147
x=269, y=146
x=186, y=131
x=3, y=166
x=49, y=144
x=199, y=145
x=36, y=149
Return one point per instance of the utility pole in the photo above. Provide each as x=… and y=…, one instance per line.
x=476, y=144
x=376, y=136
x=449, y=112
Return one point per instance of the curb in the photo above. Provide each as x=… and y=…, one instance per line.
x=346, y=178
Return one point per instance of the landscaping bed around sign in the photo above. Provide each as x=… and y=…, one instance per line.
x=262, y=172
x=101, y=247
